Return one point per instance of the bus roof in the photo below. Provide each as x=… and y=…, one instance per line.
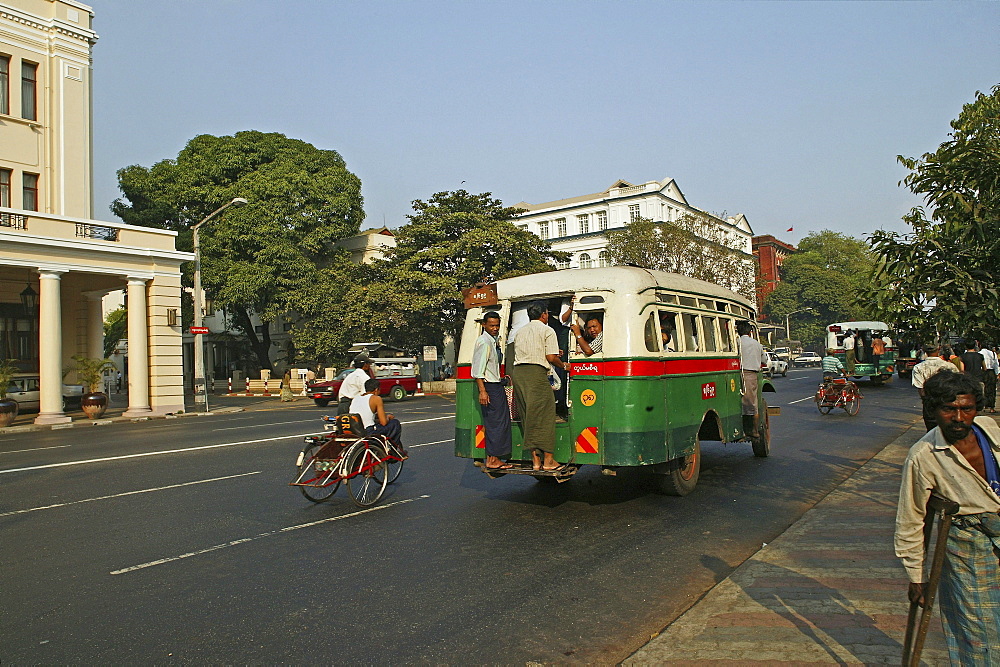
x=626, y=279
x=871, y=326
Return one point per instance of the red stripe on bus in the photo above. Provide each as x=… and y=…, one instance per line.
x=639, y=367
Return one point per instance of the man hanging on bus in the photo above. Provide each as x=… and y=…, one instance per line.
x=751, y=358
x=535, y=348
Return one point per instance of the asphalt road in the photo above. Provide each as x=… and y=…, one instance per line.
x=180, y=541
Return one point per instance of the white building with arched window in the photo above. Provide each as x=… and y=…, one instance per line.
x=577, y=225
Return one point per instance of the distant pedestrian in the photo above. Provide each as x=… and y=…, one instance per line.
x=118, y=382
x=931, y=365
x=974, y=365
x=990, y=382
x=948, y=354
x=286, y=387
x=957, y=460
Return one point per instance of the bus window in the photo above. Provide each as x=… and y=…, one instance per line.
x=725, y=339
x=688, y=301
x=651, y=333
x=690, y=332
x=706, y=304
x=708, y=328
x=668, y=330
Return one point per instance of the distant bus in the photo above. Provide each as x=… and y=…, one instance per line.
x=641, y=401
x=864, y=332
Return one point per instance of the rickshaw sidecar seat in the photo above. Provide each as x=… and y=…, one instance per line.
x=350, y=424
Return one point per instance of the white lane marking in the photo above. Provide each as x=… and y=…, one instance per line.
x=807, y=398
x=104, y=459
x=431, y=419
x=260, y=536
x=438, y=442
x=233, y=428
x=165, y=451
x=35, y=449
x=129, y=493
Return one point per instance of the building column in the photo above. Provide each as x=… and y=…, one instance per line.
x=50, y=337
x=95, y=325
x=138, y=350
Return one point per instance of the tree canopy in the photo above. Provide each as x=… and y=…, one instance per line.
x=694, y=245
x=452, y=240
x=829, y=276
x=942, y=276
x=276, y=254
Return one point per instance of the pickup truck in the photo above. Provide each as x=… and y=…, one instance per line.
x=396, y=377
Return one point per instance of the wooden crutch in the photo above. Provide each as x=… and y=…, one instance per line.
x=944, y=509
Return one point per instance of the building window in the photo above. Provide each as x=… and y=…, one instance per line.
x=602, y=220
x=543, y=229
x=5, y=188
x=562, y=264
x=29, y=106
x=633, y=212
x=30, y=192
x=584, y=222
x=561, y=227
x=523, y=228
x=585, y=261
x=4, y=84
x=603, y=258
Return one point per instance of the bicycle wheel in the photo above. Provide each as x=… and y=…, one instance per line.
x=852, y=403
x=823, y=405
x=394, y=465
x=368, y=476
x=311, y=470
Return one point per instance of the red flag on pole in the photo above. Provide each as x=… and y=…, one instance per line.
x=789, y=229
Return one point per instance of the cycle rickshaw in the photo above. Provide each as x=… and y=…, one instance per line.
x=838, y=393
x=367, y=463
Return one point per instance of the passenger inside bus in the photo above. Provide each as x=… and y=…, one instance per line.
x=668, y=326
x=591, y=339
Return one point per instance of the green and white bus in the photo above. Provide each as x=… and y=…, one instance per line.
x=667, y=378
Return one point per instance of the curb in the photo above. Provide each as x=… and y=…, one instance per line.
x=28, y=428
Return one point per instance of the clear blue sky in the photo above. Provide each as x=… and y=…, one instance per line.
x=789, y=112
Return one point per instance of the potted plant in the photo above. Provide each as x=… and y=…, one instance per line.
x=8, y=406
x=90, y=372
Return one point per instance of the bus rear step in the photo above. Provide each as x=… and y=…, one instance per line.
x=524, y=468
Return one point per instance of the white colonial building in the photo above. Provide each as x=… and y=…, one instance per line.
x=56, y=262
x=577, y=225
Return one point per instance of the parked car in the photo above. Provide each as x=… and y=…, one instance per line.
x=807, y=359
x=25, y=390
x=783, y=353
x=397, y=378
x=772, y=365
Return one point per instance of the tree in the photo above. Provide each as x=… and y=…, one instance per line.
x=829, y=275
x=942, y=276
x=696, y=245
x=115, y=328
x=275, y=254
x=453, y=240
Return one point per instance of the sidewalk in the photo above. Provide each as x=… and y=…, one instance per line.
x=827, y=590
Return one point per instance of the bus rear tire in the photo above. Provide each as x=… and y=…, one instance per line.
x=762, y=444
x=682, y=476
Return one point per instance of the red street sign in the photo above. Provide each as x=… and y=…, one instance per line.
x=198, y=330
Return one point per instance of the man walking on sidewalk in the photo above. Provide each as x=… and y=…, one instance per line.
x=957, y=460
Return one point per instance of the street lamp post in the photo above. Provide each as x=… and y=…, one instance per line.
x=788, y=331
x=199, y=341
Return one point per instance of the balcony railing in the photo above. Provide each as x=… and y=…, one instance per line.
x=13, y=220
x=87, y=231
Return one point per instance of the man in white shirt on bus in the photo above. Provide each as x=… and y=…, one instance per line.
x=849, y=351
x=751, y=358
